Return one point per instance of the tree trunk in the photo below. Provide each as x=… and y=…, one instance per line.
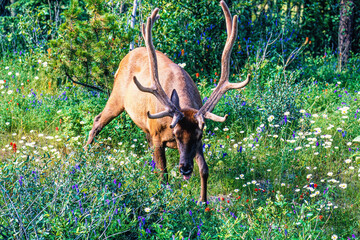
x=345, y=32
x=132, y=22
x=13, y=13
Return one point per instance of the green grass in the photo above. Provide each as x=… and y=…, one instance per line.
x=266, y=181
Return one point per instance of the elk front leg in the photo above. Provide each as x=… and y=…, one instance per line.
x=204, y=172
x=160, y=160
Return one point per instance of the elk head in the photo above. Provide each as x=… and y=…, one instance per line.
x=188, y=123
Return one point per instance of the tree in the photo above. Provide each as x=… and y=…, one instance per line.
x=345, y=31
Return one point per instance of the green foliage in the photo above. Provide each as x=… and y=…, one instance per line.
x=91, y=49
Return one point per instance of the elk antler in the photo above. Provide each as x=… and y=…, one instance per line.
x=224, y=84
x=156, y=89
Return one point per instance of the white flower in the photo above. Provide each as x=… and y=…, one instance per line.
x=317, y=130
x=343, y=185
x=147, y=210
x=36, y=78
x=82, y=122
x=6, y=68
x=2, y=81
x=270, y=118
x=10, y=92
x=286, y=113
x=334, y=237
x=236, y=190
x=9, y=73
x=242, y=176
x=309, y=176
x=302, y=111
x=344, y=110
x=182, y=65
x=45, y=64
x=215, y=129
x=225, y=129
x=348, y=161
x=7, y=123
x=315, y=115
x=329, y=174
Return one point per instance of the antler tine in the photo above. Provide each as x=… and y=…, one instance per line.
x=154, y=16
x=156, y=89
x=224, y=84
x=228, y=18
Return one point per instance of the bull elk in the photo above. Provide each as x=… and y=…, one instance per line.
x=175, y=122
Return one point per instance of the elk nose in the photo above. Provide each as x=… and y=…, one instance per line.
x=185, y=169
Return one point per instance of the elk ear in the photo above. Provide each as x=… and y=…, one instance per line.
x=175, y=99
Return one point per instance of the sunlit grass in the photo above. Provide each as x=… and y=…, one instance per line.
x=269, y=178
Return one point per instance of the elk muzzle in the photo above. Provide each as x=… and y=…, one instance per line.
x=186, y=170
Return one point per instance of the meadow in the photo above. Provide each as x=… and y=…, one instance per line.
x=285, y=165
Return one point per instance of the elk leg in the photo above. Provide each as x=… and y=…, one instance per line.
x=160, y=160
x=204, y=172
x=101, y=120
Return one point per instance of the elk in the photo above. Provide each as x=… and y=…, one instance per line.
x=143, y=83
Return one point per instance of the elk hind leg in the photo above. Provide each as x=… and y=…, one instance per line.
x=107, y=115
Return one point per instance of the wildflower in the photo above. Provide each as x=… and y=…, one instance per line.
x=329, y=174
x=270, y=118
x=286, y=113
x=207, y=209
x=197, y=75
x=36, y=78
x=348, y=161
x=334, y=237
x=226, y=129
x=147, y=210
x=236, y=190
x=302, y=111
x=317, y=130
x=344, y=110
x=182, y=65
x=343, y=185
